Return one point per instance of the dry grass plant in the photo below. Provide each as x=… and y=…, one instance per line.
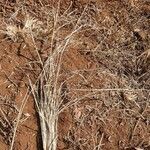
x=47, y=90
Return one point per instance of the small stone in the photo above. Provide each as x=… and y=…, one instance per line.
x=22, y=84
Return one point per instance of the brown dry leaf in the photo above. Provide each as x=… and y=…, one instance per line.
x=77, y=113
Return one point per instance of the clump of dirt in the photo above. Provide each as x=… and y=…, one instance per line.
x=105, y=69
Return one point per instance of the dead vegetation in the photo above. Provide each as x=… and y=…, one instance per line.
x=105, y=97
x=8, y=115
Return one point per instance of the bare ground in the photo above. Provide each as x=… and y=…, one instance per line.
x=113, y=58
